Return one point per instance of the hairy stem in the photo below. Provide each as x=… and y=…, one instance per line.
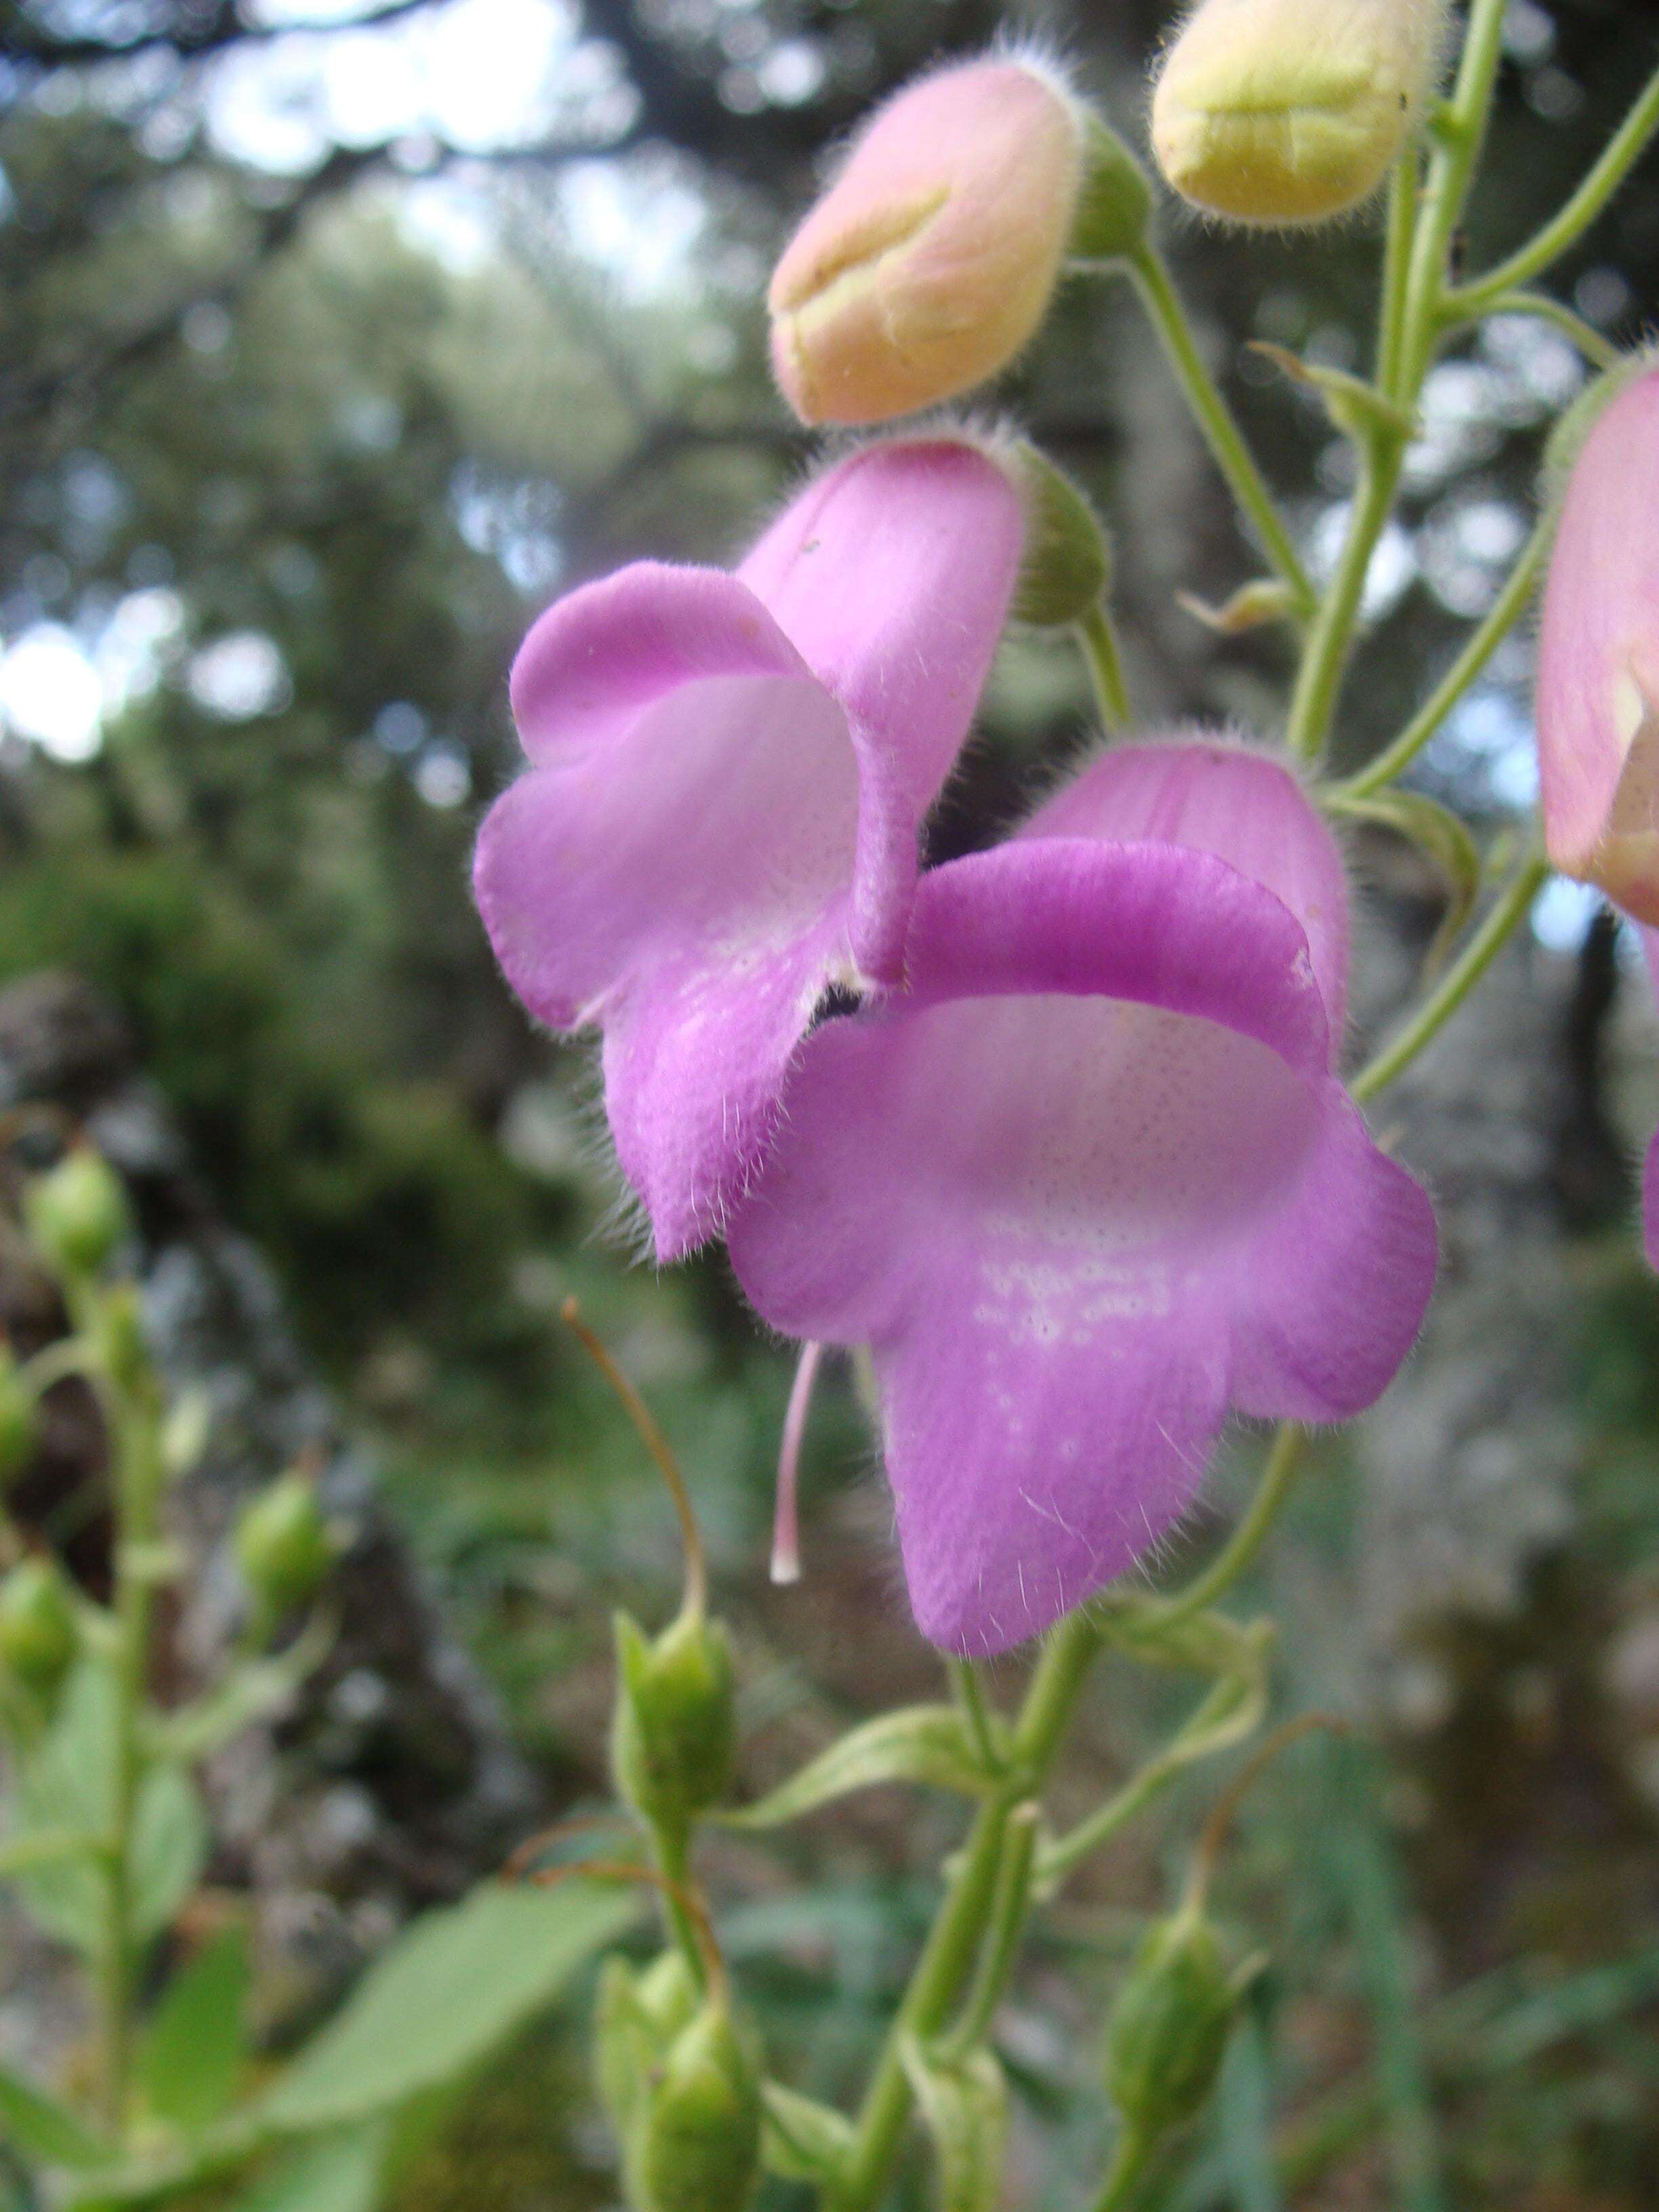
x=1098, y=639
x=1507, y=610
x=1622, y=152
x=1215, y=419
x=948, y=1958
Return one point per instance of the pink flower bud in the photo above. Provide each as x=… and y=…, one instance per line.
x=1598, y=667
x=930, y=260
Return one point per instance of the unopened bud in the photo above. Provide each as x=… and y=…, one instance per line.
x=77, y=1213
x=19, y=1426
x=699, y=2148
x=637, y=2017
x=930, y=260
x=1115, y=207
x=1068, y=564
x=284, y=1545
x=1169, y=2031
x=674, y=1736
x=39, y=1632
x=1292, y=110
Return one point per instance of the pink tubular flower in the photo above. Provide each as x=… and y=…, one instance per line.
x=1598, y=660
x=930, y=260
x=727, y=775
x=1090, y=1181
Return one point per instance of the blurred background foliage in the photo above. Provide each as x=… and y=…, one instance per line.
x=335, y=338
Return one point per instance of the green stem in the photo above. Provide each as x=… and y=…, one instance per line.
x=671, y=1849
x=138, y=1478
x=1282, y=1461
x=1001, y=1944
x=1132, y=2155
x=1215, y=419
x=1098, y=640
x=1063, y=1857
x=1396, y=268
x=1319, y=679
x=970, y=1702
x=1508, y=609
x=1460, y=130
x=1622, y=152
x=1459, y=980
x=1599, y=352
x=948, y=1956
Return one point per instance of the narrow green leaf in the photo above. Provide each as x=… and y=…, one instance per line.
x=803, y=2140
x=249, y=1693
x=335, y=2173
x=44, y=1847
x=963, y=2106
x=68, y=1785
x=1435, y=831
x=196, y=2045
x=456, y=1983
x=46, y=2129
x=919, y=1743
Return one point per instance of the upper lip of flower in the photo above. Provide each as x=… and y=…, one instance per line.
x=817, y=287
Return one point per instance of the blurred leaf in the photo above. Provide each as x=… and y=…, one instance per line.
x=196, y=2045
x=919, y=1743
x=249, y=1693
x=69, y=1785
x=454, y=1985
x=171, y=1839
x=962, y=2103
x=338, y=2173
x=46, y=2129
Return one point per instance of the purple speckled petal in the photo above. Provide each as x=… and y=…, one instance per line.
x=1218, y=795
x=1079, y=1190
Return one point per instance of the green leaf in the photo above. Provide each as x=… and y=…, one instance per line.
x=38, y=2124
x=42, y=1847
x=962, y=2103
x=919, y=1743
x=1436, y=830
x=196, y=2045
x=457, y=1982
x=803, y=2141
x=69, y=1786
x=170, y=1840
x=337, y=2173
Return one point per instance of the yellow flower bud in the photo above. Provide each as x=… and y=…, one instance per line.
x=930, y=260
x=1291, y=110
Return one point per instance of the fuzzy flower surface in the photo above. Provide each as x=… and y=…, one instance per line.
x=1290, y=112
x=1598, y=660
x=930, y=260
x=727, y=775
x=1089, y=1181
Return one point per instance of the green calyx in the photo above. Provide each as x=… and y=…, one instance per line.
x=673, y=1741
x=1066, y=570
x=697, y=2144
x=39, y=1635
x=1115, y=207
x=77, y=1214
x=1168, y=2033
x=283, y=1544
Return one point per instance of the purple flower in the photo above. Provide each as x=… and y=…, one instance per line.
x=728, y=774
x=1089, y=1181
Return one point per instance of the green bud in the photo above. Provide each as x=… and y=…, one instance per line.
x=673, y=1739
x=637, y=2018
x=39, y=1632
x=284, y=1545
x=1168, y=2033
x=18, y=1422
x=77, y=1213
x=1067, y=565
x=699, y=2145
x=1115, y=208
